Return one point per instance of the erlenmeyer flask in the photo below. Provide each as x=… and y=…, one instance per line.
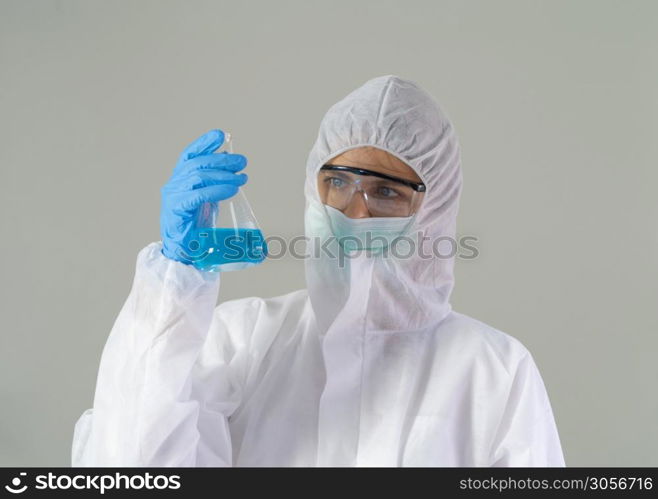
x=227, y=236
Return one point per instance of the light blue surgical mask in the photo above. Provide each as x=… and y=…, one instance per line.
x=372, y=233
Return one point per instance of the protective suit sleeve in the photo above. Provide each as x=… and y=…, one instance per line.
x=527, y=435
x=146, y=411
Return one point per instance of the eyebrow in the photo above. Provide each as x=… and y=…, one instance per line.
x=417, y=186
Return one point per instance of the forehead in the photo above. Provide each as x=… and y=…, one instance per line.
x=375, y=159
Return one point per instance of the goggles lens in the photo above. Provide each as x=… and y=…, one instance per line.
x=384, y=196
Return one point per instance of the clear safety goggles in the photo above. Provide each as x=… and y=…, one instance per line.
x=384, y=195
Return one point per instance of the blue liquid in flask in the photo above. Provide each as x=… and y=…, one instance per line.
x=227, y=236
x=223, y=249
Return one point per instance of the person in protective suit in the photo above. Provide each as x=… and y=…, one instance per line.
x=368, y=366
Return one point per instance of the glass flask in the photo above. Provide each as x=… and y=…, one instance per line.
x=227, y=236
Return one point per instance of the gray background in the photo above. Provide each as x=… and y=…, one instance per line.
x=556, y=106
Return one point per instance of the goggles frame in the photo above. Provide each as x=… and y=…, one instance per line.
x=416, y=186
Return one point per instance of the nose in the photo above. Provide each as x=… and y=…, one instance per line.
x=357, y=208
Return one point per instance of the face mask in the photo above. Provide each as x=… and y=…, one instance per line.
x=373, y=233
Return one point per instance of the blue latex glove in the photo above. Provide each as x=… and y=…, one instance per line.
x=200, y=176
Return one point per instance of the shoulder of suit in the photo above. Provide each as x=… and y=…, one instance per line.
x=479, y=335
x=255, y=304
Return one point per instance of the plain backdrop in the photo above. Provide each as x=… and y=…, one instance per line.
x=555, y=104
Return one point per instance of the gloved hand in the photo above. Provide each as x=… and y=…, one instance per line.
x=200, y=176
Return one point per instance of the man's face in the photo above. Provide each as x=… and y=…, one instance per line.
x=376, y=160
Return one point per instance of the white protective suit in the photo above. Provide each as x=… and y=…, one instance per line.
x=369, y=366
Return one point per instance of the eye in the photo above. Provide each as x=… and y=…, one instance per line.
x=387, y=192
x=335, y=182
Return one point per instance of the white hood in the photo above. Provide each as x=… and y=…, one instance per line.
x=387, y=294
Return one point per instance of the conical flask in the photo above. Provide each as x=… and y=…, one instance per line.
x=227, y=236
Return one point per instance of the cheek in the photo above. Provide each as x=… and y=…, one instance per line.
x=417, y=202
